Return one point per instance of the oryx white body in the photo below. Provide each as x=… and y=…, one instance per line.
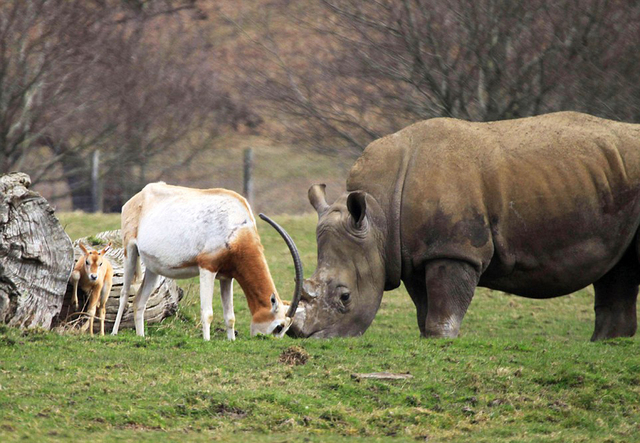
x=182, y=233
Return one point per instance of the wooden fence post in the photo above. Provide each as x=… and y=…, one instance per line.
x=248, y=176
x=96, y=185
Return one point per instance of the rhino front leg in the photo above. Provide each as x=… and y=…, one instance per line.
x=450, y=286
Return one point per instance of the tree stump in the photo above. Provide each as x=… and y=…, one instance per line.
x=162, y=303
x=36, y=256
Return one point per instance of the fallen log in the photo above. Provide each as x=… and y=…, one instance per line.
x=36, y=256
x=162, y=303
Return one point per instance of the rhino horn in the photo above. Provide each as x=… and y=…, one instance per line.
x=318, y=198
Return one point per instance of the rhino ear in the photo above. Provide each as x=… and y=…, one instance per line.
x=357, y=206
x=317, y=198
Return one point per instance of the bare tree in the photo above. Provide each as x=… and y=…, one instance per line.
x=45, y=49
x=128, y=77
x=161, y=95
x=383, y=64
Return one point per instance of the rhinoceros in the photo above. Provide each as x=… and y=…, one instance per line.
x=539, y=207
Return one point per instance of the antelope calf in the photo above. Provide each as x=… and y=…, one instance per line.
x=94, y=274
x=182, y=232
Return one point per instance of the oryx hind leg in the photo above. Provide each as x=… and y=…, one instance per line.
x=130, y=265
x=140, y=301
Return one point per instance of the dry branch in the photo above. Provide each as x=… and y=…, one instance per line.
x=381, y=376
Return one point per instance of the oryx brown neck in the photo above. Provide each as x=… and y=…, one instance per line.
x=244, y=261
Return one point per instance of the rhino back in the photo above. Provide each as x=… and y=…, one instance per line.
x=541, y=206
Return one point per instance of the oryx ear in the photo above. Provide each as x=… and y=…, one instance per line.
x=318, y=198
x=83, y=247
x=274, y=304
x=357, y=206
x=105, y=249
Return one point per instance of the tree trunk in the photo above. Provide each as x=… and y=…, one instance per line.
x=36, y=256
x=162, y=303
x=76, y=172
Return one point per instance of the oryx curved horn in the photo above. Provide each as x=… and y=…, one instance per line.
x=297, y=263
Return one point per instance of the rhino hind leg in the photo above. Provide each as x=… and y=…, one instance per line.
x=450, y=286
x=615, y=303
x=418, y=292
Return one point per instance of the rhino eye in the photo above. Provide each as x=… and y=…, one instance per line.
x=345, y=296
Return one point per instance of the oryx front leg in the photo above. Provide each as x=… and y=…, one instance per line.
x=140, y=301
x=207, y=279
x=226, y=295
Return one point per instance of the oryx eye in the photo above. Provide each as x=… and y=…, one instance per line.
x=87, y=262
x=100, y=264
x=277, y=329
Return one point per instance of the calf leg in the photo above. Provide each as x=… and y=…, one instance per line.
x=75, y=278
x=615, y=305
x=140, y=301
x=226, y=295
x=94, y=297
x=207, y=280
x=104, y=295
x=450, y=286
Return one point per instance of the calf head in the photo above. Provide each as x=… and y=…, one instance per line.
x=344, y=293
x=93, y=261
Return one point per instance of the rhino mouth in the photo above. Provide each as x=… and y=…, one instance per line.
x=301, y=328
x=296, y=330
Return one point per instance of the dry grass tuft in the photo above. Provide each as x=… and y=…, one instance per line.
x=294, y=356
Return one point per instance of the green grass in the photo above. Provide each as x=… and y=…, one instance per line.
x=521, y=371
x=78, y=224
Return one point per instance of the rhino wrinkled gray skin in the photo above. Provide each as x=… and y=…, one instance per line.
x=539, y=207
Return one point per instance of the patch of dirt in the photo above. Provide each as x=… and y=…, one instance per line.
x=229, y=411
x=294, y=356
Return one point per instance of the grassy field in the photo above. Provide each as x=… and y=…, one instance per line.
x=522, y=371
